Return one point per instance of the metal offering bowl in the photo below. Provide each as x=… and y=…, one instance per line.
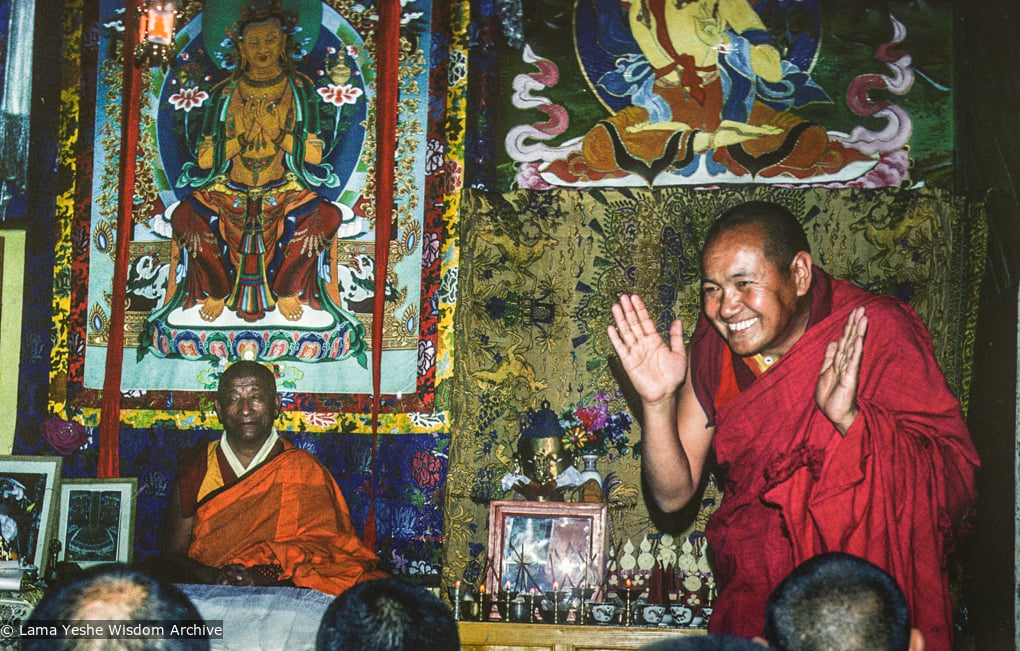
x=560, y=599
x=552, y=615
x=602, y=612
x=682, y=615
x=586, y=593
x=651, y=614
x=554, y=606
x=519, y=611
x=522, y=608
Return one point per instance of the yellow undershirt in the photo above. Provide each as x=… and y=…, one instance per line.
x=764, y=362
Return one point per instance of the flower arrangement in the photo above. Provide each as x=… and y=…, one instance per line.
x=591, y=427
x=64, y=436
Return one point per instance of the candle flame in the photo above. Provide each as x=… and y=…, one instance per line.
x=556, y=586
x=628, y=582
x=457, y=583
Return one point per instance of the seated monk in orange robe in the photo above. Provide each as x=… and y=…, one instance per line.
x=252, y=509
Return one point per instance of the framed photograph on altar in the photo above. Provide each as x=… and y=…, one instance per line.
x=539, y=544
x=28, y=489
x=97, y=520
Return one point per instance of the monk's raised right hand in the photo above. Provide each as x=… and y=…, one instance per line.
x=655, y=368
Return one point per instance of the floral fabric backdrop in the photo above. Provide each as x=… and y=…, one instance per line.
x=540, y=271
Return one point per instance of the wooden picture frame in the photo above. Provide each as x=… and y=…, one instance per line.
x=28, y=490
x=97, y=520
x=545, y=545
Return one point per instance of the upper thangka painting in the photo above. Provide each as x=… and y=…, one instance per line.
x=253, y=228
x=709, y=92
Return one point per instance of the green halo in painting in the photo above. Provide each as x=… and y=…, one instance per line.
x=218, y=15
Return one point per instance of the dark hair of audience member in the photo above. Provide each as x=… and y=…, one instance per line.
x=387, y=615
x=118, y=593
x=838, y=602
x=710, y=642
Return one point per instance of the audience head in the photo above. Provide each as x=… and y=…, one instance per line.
x=710, y=642
x=839, y=602
x=115, y=593
x=387, y=615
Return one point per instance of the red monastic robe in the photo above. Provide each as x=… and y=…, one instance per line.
x=893, y=490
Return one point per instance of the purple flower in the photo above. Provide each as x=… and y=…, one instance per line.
x=592, y=429
x=64, y=436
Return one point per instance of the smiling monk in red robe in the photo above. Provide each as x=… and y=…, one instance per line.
x=828, y=414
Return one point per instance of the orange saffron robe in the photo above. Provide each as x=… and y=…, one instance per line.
x=288, y=511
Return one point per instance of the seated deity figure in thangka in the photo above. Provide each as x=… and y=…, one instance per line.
x=256, y=239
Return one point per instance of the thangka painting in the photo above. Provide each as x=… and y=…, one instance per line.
x=253, y=233
x=640, y=93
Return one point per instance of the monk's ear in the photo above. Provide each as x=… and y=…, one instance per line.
x=279, y=406
x=801, y=269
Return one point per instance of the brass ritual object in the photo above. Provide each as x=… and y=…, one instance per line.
x=542, y=459
x=540, y=455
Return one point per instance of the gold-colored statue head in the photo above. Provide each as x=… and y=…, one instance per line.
x=542, y=459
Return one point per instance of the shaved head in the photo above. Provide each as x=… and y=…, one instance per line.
x=246, y=369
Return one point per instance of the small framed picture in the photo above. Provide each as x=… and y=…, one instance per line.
x=28, y=490
x=546, y=545
x=97, y=520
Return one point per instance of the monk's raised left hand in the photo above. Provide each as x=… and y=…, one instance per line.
x=836, y=391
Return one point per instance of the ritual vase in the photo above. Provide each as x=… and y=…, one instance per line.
x=591, y=479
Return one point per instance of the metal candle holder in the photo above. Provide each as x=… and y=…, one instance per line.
x=583, y=595
x=484, y=605
x=629, y=595
x=503, y=601
x=559, y=605
x=455, y=600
